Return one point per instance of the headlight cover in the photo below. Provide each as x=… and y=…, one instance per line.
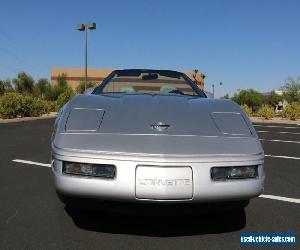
x=87, y=169
x=84, y=120
x=230, y=123
x=229, y=173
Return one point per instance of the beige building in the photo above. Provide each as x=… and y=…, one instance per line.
x=75, y=75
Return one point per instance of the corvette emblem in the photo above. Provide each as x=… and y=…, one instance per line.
x=160, y=126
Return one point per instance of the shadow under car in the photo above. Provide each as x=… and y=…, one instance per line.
x=158, y=220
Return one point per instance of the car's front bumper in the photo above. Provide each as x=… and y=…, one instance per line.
x=124, y=188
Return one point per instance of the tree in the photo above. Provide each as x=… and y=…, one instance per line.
x=5, y=86
x=24, y=83
x=291, y=90
x=62, y=81
x=272, y=99
x=250, y=97
x=41, y=87
x=53, y=92
x=2, y=88
x=225, y=96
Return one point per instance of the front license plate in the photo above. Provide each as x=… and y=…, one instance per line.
x=164, y=183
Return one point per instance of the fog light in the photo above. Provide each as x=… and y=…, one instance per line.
x=226, y=173
x=86, y=169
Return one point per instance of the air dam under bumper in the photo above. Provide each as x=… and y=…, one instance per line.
x=189, y=182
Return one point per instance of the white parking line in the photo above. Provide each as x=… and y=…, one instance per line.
x=281, y=132
x=280, y=141
x=283, y=156
x=275, y=126
x=279, y=198
x=32, y=163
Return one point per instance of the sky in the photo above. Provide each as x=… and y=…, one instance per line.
x=241, y=43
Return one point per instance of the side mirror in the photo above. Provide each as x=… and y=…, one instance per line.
x=209, y=95
x=88, y=91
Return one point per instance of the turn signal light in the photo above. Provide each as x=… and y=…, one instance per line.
x=228, y=173
x=87, y=169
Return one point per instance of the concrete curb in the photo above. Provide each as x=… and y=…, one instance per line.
x=275, y=120
x=24, y=119
x=53, y=115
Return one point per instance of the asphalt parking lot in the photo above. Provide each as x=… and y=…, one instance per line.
x=31, y=216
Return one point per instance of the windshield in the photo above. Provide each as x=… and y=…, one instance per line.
x=148, y=82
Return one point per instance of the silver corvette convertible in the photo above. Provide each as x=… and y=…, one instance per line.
x=152, y=136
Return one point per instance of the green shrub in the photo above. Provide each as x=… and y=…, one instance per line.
x=39, y=107
x=266, y=111
x=247, y=110
x=13, y=105
x=32, y=107
x=292, y=111
x=27, y=106
x=10, y=105
x=64, y=98
x=51, y=105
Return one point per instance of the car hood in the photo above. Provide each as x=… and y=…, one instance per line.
x=154, y=124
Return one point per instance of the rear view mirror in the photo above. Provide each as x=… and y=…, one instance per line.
x=150, y=77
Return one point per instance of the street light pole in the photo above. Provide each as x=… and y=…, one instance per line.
x=85, y=27
x=213, y=89
x=85, y=79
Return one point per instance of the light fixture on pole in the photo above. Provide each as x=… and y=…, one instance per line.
x=85, y=27
x=213, y=88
